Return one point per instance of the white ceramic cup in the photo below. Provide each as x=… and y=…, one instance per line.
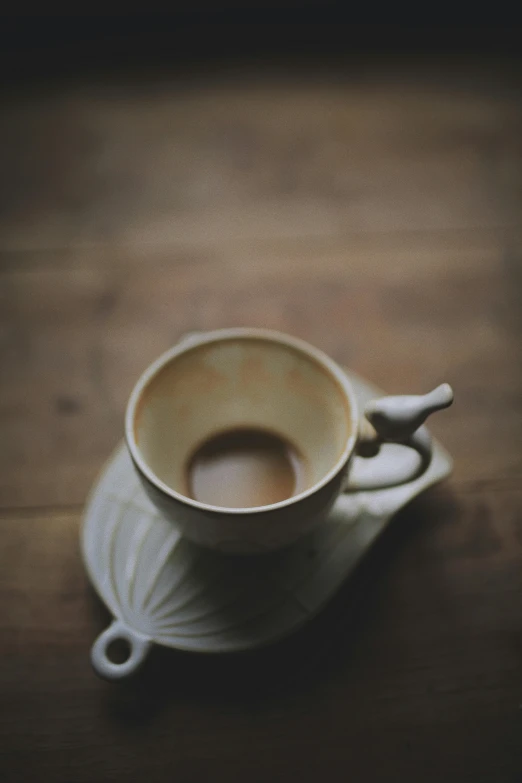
x=218, y=381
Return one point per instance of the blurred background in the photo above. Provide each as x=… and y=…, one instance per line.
x=358, y=186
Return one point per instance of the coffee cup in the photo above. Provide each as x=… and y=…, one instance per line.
x=245, y=438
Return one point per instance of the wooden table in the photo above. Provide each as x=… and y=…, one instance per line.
x=375, y=212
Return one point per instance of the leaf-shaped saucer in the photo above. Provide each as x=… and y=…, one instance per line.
x=165, y=590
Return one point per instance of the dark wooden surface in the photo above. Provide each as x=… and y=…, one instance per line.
x=375, y=212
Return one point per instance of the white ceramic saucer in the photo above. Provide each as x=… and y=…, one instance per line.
x=162, y=589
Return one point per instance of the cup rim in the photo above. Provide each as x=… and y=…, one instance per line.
x=220, y=335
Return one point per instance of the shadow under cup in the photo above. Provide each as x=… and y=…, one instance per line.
x=252, y=394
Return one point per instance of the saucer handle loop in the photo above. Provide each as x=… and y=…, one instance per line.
x=138, y=647
x=398, y=420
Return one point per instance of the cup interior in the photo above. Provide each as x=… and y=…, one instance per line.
x=239, y=382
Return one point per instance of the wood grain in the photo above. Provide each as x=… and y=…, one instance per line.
x=375, y=214
x=418, y=658
x=249, y=159
x=79, y=329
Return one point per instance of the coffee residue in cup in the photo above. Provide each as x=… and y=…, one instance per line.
x=245, y=467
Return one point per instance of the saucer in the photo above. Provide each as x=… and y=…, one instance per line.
x=162, y=589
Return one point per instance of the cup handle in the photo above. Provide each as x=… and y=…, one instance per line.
x=396, y=420
x=138, y=648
